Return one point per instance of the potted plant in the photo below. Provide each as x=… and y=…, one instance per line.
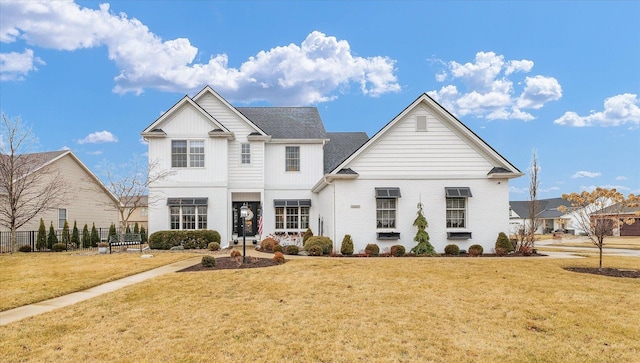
x=102, y=247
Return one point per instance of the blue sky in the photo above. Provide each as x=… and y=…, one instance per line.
x=561, y=78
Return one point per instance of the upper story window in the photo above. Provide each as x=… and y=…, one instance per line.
x=62, y=217
x=292, y=158
x=245, y=153
x=386, y=207
x=187, y=153
x=456, y=211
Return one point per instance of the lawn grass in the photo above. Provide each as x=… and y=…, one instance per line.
x=26, y=278
x=351, y=310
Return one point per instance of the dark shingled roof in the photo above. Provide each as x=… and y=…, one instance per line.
x=340, y=146
x=548, y=207
x=287, y=122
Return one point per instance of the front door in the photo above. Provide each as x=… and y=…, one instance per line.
x=251, y=226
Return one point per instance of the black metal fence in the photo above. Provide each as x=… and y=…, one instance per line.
x=28, y=238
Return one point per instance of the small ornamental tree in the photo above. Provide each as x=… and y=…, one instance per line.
x=600, y=212
x=347, y=245
x=95, y=238
x=423, y=247
x=41, y=239
x=75, y=235
x=143, y=234
x=66, y=236
x=307, y=234
x=52, y=239
x=86, y=237
x=112, y=231
x=503, y=242
x=136, y=228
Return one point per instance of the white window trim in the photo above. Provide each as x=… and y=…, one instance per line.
x=298, y=222
x=286, y=159
x=242, y=153
x=465, y=211
x=189, y=154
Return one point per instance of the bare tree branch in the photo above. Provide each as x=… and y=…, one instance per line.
x=28, y=185
x=129, y=184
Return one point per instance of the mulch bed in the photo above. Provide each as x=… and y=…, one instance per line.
x=226, y=263
x=611, y=272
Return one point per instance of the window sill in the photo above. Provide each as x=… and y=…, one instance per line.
x=458, y=235
x=388, y=235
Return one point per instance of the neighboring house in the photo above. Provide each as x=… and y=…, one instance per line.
x=283, y=165
x=551, y=219
x=623, y=213
x=139, y=215
x=87, y=202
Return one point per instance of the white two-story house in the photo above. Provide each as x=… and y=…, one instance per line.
x=294, y=175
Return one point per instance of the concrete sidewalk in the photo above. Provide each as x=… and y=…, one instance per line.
x=9, y=316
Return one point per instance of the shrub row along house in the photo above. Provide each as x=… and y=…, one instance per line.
x=282, y=164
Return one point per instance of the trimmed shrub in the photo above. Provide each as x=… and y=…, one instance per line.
x=268, y=243
x=397, y=250
x=164, y=240
x=52, y=238
x=452, y=249
x=503, y=242
x=476, y=250
x=372, y=249
x=291, y=250
x=314, y=250
x=324, y=243
x=41, y=240
x=347, y=245
x=58, y=247
x=278, y=257
x=214, y=246
x=208, y=261
x=307, y=234
x=25, y=248
x=235, y=253
x=277, y=248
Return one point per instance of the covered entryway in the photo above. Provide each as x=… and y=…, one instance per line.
x=251, y=226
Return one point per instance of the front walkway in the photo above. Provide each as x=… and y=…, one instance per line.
x=9, y=316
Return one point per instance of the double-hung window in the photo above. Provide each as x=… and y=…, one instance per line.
x=187, y=213
x=456, y=208
x=292, y=158
x=245, y=153
x=386, y=207
x=62, y=217
x=187, y=153
x=292, y=214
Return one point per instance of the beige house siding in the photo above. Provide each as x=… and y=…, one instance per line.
x=87, y=204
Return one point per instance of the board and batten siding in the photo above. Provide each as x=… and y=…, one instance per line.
x=404, y=152
x=240, y=175
x=311, y=165
x=190, y=124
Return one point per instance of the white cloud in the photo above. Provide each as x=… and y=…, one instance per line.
x=538, y=91
x=97, y=152
x=591, y=188
x=586, y=174
x=302, y=74
x=15, y=66
x=513, y=189
x=621, y=177
x=618, y=110
x=98, y=137
x=483, y=88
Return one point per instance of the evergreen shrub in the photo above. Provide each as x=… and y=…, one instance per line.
x=164, y=240
x=452, y=249
x=208, y=261
x=397, y=250
x=347, y=245
x=372, y=249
